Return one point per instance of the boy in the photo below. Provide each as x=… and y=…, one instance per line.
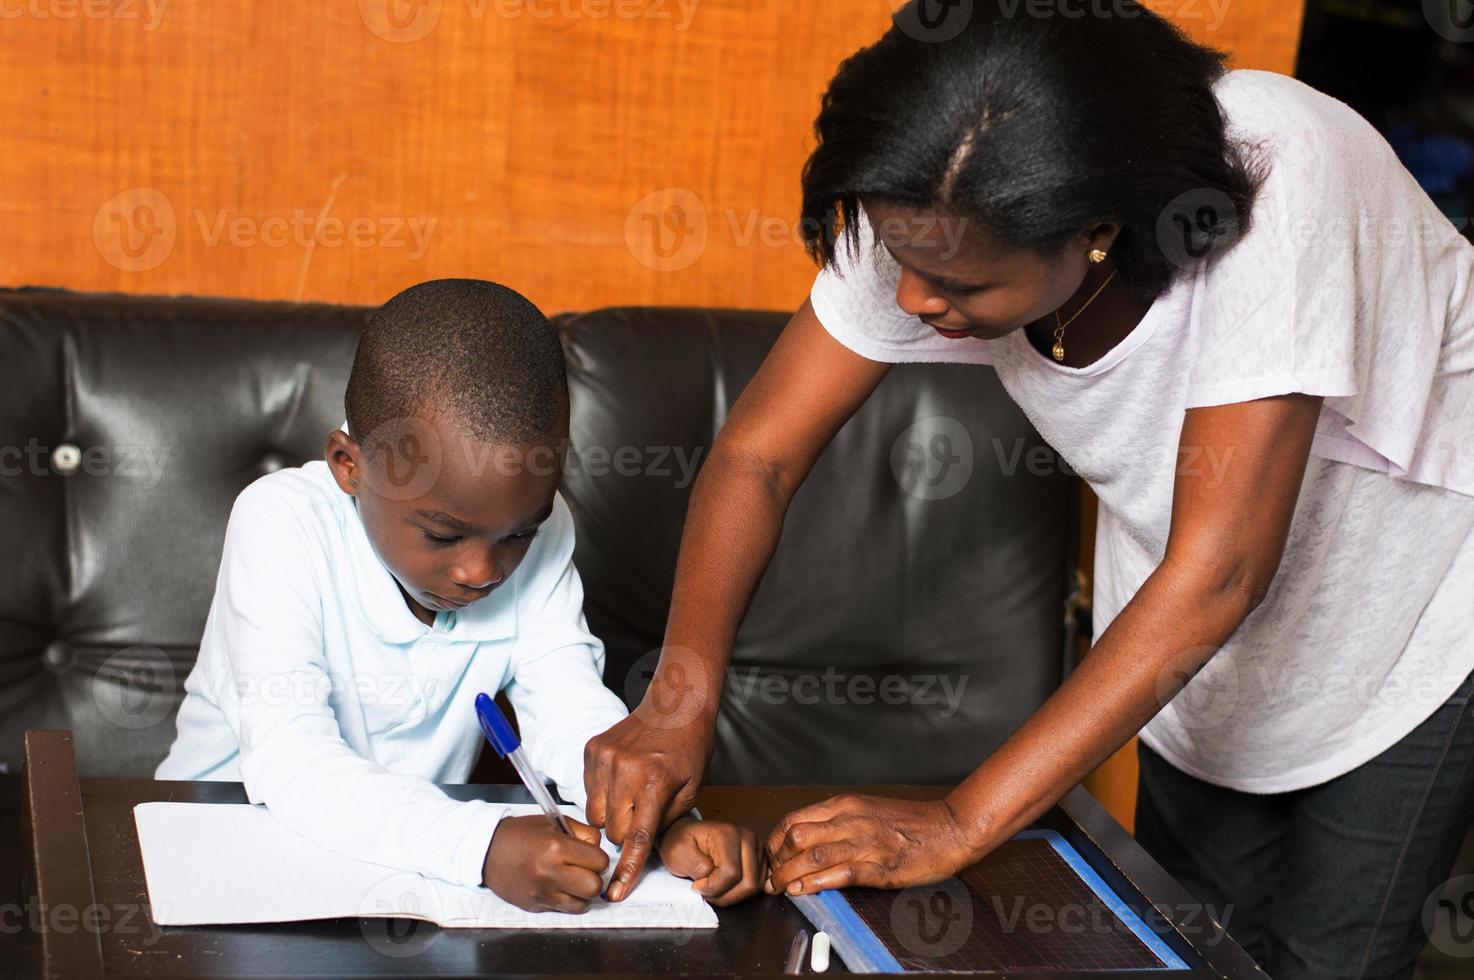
x=363, y=601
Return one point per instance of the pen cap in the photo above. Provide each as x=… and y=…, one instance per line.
x=495, y=726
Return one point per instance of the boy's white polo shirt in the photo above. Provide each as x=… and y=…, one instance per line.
x=318, y=688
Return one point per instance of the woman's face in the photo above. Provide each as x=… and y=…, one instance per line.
x=962, y=283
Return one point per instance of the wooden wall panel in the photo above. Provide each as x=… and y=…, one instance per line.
x=193, y=146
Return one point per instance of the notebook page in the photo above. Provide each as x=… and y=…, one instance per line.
x=230, y=863
x=234, y=863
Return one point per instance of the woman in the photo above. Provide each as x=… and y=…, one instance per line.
x=1158, y=258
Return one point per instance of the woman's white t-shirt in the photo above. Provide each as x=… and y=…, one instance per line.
x=1349, y=284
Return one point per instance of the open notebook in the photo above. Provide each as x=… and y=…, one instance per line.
x=213, y=864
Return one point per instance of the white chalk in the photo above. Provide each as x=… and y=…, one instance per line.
x=819, y=955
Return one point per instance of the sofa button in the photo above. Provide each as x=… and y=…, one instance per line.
x=58, y=657
x=65, y=459
x=272, y=462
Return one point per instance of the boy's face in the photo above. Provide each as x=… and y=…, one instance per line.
x=451, y=517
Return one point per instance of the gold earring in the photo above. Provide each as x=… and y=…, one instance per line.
x=1097, y=256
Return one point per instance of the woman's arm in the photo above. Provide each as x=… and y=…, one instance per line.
x=646, y=770
x=1227, y=535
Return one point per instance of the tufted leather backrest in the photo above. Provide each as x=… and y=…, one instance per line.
x=911, y=618
x=127, y=429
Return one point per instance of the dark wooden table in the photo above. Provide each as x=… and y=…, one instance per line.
x=85, y=889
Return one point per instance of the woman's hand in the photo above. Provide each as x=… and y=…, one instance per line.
x=639, y=776
x=724, y=861
x=866, y=840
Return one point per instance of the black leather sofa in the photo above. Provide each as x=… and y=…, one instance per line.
x=129, y=424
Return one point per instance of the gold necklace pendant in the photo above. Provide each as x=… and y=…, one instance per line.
x=1059, y=326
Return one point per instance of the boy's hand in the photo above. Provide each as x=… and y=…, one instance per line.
x=723, y=860
x=540, y=869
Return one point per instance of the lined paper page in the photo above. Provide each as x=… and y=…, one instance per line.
x=215, y=864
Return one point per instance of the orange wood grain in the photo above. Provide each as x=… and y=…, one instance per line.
x=293, y=150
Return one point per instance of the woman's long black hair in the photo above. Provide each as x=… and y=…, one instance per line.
x=1036, y=127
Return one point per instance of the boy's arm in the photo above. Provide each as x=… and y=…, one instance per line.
x=265, y=644
x=556, y=688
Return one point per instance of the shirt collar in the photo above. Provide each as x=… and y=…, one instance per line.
x=385, y=611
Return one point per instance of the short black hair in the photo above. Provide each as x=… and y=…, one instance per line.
x=473, y=351
x=1036, y=127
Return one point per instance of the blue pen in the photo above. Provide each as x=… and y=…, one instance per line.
x=502, y=738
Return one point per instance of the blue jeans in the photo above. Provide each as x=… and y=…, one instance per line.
x=1330, y=881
